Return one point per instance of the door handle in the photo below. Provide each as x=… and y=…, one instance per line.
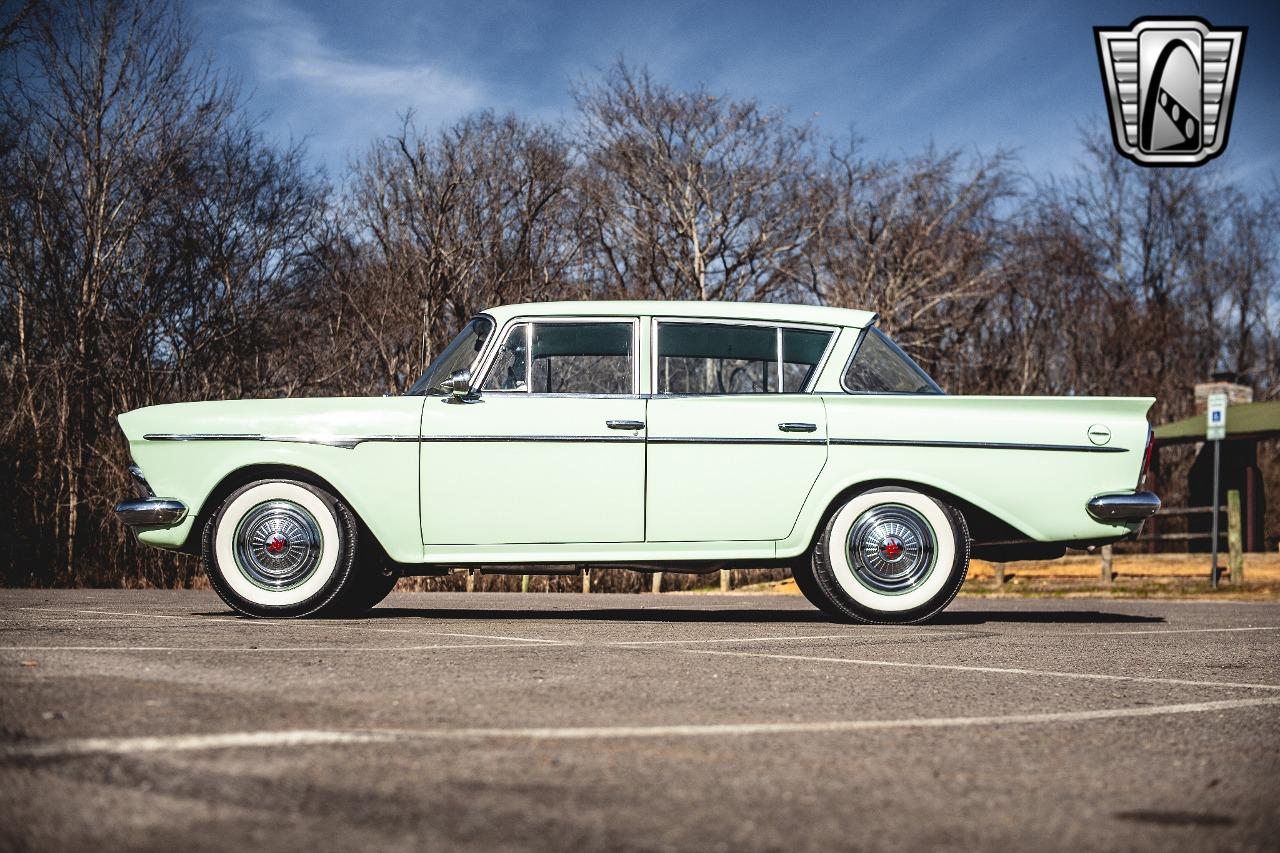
x=624, y=424
x=798, y=427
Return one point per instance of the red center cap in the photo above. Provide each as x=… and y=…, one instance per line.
x=277, y=543
x=891, y=548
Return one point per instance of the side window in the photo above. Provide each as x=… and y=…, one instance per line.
x=565, y=358
x=709, y=358
x=878, y=366
x=510, y=369
x=801, y=354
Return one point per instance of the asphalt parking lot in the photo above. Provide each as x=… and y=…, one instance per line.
x=157, y=720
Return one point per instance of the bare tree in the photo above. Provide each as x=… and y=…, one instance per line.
x=138, y=220
x=440, y=227
x=691, y=195
x=153, y=247
x=922, y=242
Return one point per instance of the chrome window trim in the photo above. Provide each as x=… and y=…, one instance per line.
x=833, y=333
x=491, y=355
x=484, y=350
x=857, y=345
x=822, y=361
x=777, y=357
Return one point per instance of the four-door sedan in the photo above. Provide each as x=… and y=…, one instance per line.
x=681, y=436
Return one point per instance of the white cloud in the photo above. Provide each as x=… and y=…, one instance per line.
x=336, y=98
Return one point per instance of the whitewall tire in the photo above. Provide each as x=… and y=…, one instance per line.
x=281, y=548
x=889, y=555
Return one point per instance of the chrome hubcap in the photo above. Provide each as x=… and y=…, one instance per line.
x=891, y=548
x=277, y=545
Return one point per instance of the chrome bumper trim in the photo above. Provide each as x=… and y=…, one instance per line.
x=1127, y=506
x=151, y=511
x=136, y=473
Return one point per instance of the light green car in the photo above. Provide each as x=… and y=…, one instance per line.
x=682, y=436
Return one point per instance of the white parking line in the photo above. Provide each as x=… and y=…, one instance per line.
x=311, y=737
x=1178, y=631
x=1047, y=673
x=844, y=636
x=496, y=645
x=202, y=649
x=182, y=743
x=291, y=623
x=497, y=637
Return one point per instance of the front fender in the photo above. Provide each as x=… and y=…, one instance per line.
x=377, y=479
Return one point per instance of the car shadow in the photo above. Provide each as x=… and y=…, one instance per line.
x=737, y=615
x=1047, y=617
x=603, y=614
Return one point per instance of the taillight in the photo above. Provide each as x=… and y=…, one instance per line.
x=1146, y=459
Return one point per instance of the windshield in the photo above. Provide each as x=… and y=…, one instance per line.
x=879, y=366
x=458, y=355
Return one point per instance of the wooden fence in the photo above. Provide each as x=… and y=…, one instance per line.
x=1230, y=533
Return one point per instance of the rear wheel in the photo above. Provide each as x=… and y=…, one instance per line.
x=282, y=548
x=802, y=574
x=890, y=555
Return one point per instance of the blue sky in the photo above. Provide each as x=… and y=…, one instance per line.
x=1022, y=76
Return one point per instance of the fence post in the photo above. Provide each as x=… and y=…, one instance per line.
x=1235, y=541
x=997, y=571
x=657, y=582
x=726, y=580
x=586, y=578
x=524, y=583
x=1107, y=574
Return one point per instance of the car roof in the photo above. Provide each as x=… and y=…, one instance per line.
x=768, y=311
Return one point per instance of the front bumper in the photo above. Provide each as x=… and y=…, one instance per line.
x=1123, y=507
x=145, y=512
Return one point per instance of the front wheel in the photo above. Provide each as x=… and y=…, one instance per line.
x=890, y=556
x=282, y=548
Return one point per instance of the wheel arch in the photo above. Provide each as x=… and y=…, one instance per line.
x=246, y=474
x=984, y=526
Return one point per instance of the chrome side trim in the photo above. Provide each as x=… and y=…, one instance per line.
x=345, y=441
x=1124, y=506
x=351, y=441
x=719, y=440
x=579, y=439
x=150, y=511
x=976, y=445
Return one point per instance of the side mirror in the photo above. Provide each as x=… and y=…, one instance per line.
x=457, y=386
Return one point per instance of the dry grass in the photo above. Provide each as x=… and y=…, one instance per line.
x=1136, y=576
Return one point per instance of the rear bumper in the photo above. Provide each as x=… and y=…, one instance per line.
x=1123, y=507
x=146, y=512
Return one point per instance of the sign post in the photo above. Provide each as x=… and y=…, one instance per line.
x=1215, y=431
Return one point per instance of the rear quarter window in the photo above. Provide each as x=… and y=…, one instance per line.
x=879, y=366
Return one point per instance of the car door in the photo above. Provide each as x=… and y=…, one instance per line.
x=734, y=443
x=551, y=449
